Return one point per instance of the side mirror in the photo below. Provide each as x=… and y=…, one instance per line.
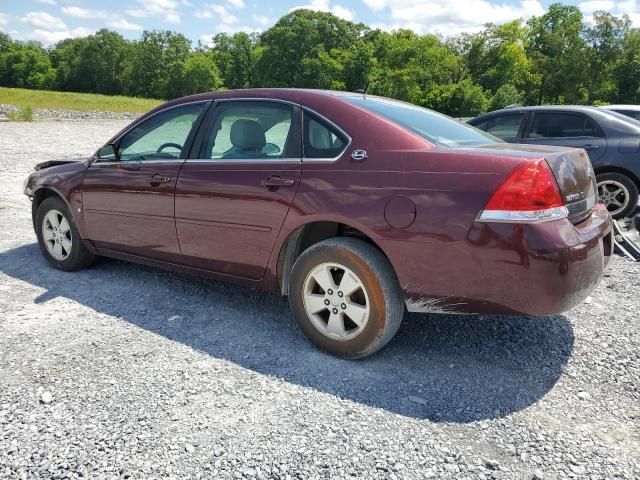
x=108, y=153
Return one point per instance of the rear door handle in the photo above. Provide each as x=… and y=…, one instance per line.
x=275, y=181
x=157, y=179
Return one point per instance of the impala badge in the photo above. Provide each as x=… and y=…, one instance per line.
x=359, y=155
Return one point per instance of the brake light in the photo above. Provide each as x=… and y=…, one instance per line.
x=530, y=194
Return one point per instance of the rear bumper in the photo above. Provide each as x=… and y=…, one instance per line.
x=532, y=269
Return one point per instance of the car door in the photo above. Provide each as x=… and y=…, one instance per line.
x=233, y=195
x=566, y=129
x=505, y=126
x=128, y=199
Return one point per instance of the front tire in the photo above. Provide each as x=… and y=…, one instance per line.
x=58, y=237
x=345, y=297
x=619, y=193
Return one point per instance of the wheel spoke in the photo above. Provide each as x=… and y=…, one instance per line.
x=52, y=218
x=349, y=284
x=615, y=201
x=64, y=225
x=57, y=250
x=314, y=302
x=47, y=234
x=66, y=244
x=357, y=313
x=335, y=324
x=323, y=277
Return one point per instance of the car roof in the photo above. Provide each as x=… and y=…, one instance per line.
x=290, y=94
x=562, y=108
x=622, y=107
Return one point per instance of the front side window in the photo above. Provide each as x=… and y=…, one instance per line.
x=161, y=137
x=432, y=126
x=505, y=127
x=252, y=130
x=321, y=140
x=562, y=125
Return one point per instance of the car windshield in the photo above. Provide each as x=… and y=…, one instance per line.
x=432, y=126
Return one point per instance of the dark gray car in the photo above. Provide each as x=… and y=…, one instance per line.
x=612, y=141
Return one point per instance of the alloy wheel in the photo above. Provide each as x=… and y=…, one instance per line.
x=614, y=195
x=336, y=301
x=56, y=234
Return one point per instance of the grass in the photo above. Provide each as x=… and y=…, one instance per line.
x=32, y=99
x=23, y=114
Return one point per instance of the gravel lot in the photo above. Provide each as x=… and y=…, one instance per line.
x=124, y=371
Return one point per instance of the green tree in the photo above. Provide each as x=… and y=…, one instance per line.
x=606, y=39
x=626, y=73
x=297, y=37
x=235, y=59
x=557, y=49
x=155, y=66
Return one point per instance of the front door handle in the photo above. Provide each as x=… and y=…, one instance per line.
x=590, y=146
x=275, y=181
x=157, y=179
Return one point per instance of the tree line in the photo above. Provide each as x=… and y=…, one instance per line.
x=554, y=58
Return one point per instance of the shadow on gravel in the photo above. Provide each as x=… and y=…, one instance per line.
x=440, y=367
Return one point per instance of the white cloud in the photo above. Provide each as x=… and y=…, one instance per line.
x=325, y=6
x=628, y=7
x=47, y=2
x=167, y=9
x=593, y=5
x=44, y=21
x=112, y=20
x=48, y=37
x=121, y=23
x=85, y=13
x=450, y=17
x=261, y=20
x=236, y=3
x=218, y=11
x=4, y=19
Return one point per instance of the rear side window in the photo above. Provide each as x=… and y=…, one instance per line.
x=322, y=140
x=629, y=113
x=505, y=127
x=563, y=125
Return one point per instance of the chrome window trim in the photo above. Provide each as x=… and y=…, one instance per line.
x=241, y=161
x=129, y=162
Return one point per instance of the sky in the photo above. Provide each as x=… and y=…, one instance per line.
x=50, y=21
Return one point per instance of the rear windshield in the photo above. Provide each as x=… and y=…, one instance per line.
x=434, y=127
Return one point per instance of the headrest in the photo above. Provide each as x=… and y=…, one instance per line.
x=247, y=135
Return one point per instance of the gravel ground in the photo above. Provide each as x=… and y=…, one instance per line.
x=123, y=371
x=62, y=114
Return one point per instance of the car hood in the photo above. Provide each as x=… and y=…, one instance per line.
x=53, y=163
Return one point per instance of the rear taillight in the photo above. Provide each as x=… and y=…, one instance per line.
x=530, y=194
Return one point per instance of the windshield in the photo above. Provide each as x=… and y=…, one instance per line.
x=433, y=126
x=626, y=123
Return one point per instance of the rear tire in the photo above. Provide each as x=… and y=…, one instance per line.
x=345, y=297
x=619, y=193
x=58, y=237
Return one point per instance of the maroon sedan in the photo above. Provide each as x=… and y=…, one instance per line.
x=356, y=207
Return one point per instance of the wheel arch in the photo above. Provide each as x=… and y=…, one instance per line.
x=310, y=233
x=42, y=193
x=616, y=169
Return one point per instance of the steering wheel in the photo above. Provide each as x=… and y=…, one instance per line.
x=168, y=144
